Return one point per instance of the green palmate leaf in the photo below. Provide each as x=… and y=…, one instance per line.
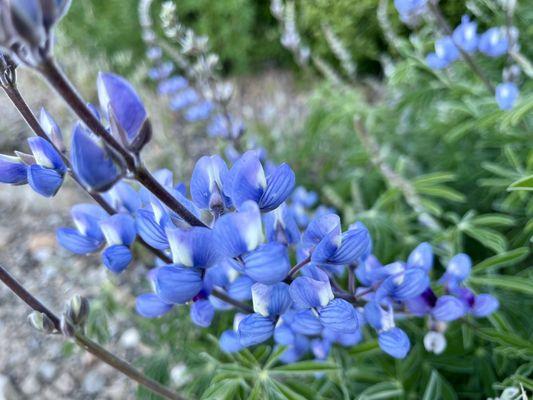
x=364, y=348
x=222, y=390
x=518, y=113
x=488, y=238
x=383, y=390
x=286, y=392
x=442, y=192
x=502, y=260
x=514, y=283
x=274, y=356
x=304, y=367
x=522, y=184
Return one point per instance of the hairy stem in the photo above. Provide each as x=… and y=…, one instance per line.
x=443, y=24
x=87, y=344
x=66, y=90
x=294, y=270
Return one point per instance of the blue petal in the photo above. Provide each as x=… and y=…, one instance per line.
x=394, y=342
x=51, y=129
x=246, y=179
x=239, y=232
x=73, y=241
x=421, y=257
x=198, y=112
x=494, y=42
x=176, y=284
x=241, y=288
x=45, y=154
x=172, y=85
x=91, y=162
x=13, y=171
x=405, y=285
x=284, y=335
x=119, y=229
x=202, y=313
x=340, y=316
x=377, y=317
x=422, y=304
x=310, y=293
x=150, y=305
x=87, y=219
x=219, y=275
x=269, y=263
x=194, y=247
x=117, y=258
x=281, y=226
x=271, y=300
x=355, y=244
x=124, y=197
x=506, y=95
x=364, y=271
x=448, y=308
x=255, y=329
x=320, y=348
x=44, y=181
x=206, y=181
x=229, y=342
x=321, y=226
x=306, y=323
x=150, y=231
x=484, y=305
x=279, y=185
x=458, y=269
x=117, y=94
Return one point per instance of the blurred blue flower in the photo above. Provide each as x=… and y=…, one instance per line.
x=506, y=95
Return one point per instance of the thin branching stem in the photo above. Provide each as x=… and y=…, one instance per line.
x=84, y=342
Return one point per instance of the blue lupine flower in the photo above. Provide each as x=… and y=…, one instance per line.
x=241, y=288
x=247, y=181
x=87, y=237
x=405, y=285
x=506, y=95
x=465, y=35
x=46, y=176
x=280, y=226
x=421, y=257
x=125, y=110
x=176, y=284
x=206, y=183
x=255, y=329
x=310, y=293
x=51, y=129
x=484, y=305
x=306, y=323
x=239, y=232
x=13, y=171
x=268, y=264
x=448, y=308
x=271, y=300
x=119, y=231
x=151, y=230
x=162, y=71
x=194, y=247
x=229, y=342
x=184, y=98
x=394, y=342
x=172, y=85
x=494, y=42
x=198, y=112
x=423, y=304
x=154, y=53
x=457, y=271
x=123, y=198
x=410, y=8
x=226, y=127
x=91, y=161
x=339, y=316
x=445, y=53
x=149, y=305
x=202, y=313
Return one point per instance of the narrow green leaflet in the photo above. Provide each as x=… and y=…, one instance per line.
x=510, y=257
x=432, y=391
x=383, y=390
x=514, y=283
x=304, y=367
x=522, y=184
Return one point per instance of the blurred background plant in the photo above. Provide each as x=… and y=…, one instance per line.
x=415, y=154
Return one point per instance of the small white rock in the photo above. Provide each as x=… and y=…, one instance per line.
x=130, y=338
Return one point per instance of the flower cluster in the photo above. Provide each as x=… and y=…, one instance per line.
x=465, y=41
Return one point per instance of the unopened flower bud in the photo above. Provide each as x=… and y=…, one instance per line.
x=41, y=322
x=77, y=310
x=67, y=328
x=435, y=342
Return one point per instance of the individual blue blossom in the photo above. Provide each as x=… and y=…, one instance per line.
x=87, y=237
x=92, y=162
x=445, y=53
x=310, y=293
x=484, y=305
x=149, y=305
x=202, y=313
x=229, y=341
x=448, y=308
x=184, y=98
x=268, y=264
x=162, y=71
x=306, y=322
x=301, y=201
x=465, y=35
x=177, y=284
x=404, y=285
x=152, y=229
x=198, y=112
x=255, y=329
x=457, y=271
x=225, y=126
x=239, y=232
x=119, y=232
x=281, y=226
x=52, y=130
x=297, y=345
x=409, y=9
x=421, y=257
x=241, y=288
x=271, y=300
x=154, y=53
x=339, y=316
x=172, y=85
x=46, y=175
x=506, y=95
x=125, y=110
x=494, y=42
x=206, y=184
x=247, y=180
x=12, y=170
x=123, y=198
x=193, y=247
